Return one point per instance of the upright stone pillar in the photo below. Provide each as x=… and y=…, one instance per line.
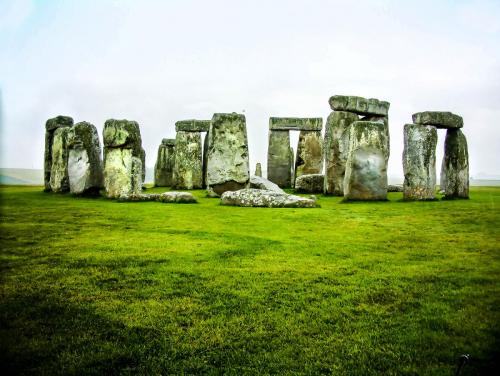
x=366, y=167
x=188, y=165
x=85, y=169
x=419, y=162
x=258, y=170
x=164, y=166
x=228, y=166
x=279, y=165
x=336, y=147
x=455, y=166
x=122, y=158
x=309, y=154
x=59, y=178
x=50, y=127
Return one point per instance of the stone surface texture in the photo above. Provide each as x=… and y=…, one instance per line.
x=309, y=154
x=166, y=197
x=295, y=124
x=164, y=166
x=258, y=182
x=455, y=166
x=59, y=179
x=439, y=119
x=359, y=105
x=188, y=164
x=192, y=125
x=366, y=167
x=312, y=183
x=279, y=159
x=264, y=198
x=50, y=127
x=419, y=162
x=228, y=166
x=258, y=170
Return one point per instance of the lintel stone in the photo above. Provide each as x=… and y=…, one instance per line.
x=295, y=124
x=439, y=119
x=359, y=105
x=192, y=125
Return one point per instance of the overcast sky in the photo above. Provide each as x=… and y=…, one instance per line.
x=162, y=61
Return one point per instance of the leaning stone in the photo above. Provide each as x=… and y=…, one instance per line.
x=192, y=125
x=309, y=154
x=279, y=159
x=359, y=105
x=188, y=163
x=164, y=166
x=439, y=119
x=50, y=127
x=227, y=159
x=336, y=147
x=259, y=182
x=312, y=183
x=455, y=166
x=258, y=170
x=419, y=162
x=177, y=197
x=59, y=179
x=85, y=169
x=366, y=167
x=295, y=124
x=263, y=198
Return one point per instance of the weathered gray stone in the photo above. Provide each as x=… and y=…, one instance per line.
x=359, y=105
x=384, y=122
x=309, y=154
x=366, y=167
x=258, y=170
x=85, y=171
x=395, y=188
x=227, y=160
x=123, y=134
x=295, y=124
x=59, y=179
x=192, y=125
x=419, y=162
x=166, y=197
x=188, y=165
x=292, y=167
x=455, y=166
x=50, y=127
x=336, y=148
x=164, y=166
x=264, y=198
x=258, y=182
x=143, y=161
x=205, y=158
x=279, y=159
x=439, y=119
x=312, y=183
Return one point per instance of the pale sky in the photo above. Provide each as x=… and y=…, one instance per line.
x=157, y=62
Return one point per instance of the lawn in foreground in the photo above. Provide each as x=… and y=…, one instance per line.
x=95, y=286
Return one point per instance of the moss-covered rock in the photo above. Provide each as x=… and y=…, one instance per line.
x=309, y=154
x=439, y=119
x=279, y=160
x=164, y=166
x=264, y=198
x=295, y=124
x=50, y=127
x=312, y=183
x=192, y=125
x=188, y=164
x=455, y=166
x=59, y=179
x=359, y=105
x=122, y=134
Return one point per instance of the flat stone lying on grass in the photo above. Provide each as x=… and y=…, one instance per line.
x=166, y=197
x=262, y=198
x=312, y=183
x=258, y=182
x=439, y=119
x=359, y=105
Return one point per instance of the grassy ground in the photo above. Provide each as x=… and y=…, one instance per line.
x=92, y=286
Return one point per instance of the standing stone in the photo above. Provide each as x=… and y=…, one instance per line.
x=419, y=162
x=59, y=179
x=50, y=127
x=384, y=120
x=279, y=165
x=164, y=166
x=366, y=167
x=336, y=148
x=258, y=170
x=309, y=154
x=205, y=158
x=84, y=160
x=123, y=152
x=292, y=166
x=143, y=161
x=227, y=161
x=455, y=166
x=188, y=165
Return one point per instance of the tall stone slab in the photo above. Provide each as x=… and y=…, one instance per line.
x=455, y=166
x=384, y=120
x=228, y=166
x=123, y=168
x=419, y=162
x=309, y=154
x=50, y=127
x=85, y=169
x=188, y=165
x=258, y=170
x=279, y=160
x=164, y=166
x=59, y=178
x=205, y=158
x=336, y=148
x=366, y=167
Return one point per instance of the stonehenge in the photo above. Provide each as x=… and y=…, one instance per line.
x=51, y=126
x=455, y=166
x=164, y=166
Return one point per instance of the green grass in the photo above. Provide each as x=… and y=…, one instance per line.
x=92, y=286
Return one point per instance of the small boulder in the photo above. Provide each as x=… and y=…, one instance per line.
x=262, y=198
x=312, y=183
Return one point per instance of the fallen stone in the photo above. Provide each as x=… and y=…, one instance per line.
x=50, y=127
x=258, y=182
x=336, y=148
x=438, y=119
x=258, y=170
x=59, y=178
x=366, y=167
x=279, y=159
x=164, y=166
x=312, y=183
x=309, y=154
x=359, y=105
x=455, y=166
x=419, y=162
x=227, y=158
x=295, y=124
x=166, y=197
x=85, y=170
x=264, y=198
x=192, y=125
x=188, y=162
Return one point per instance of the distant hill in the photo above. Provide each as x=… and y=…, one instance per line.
x=23, y=176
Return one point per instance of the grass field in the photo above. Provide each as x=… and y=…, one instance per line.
x=92, y=286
